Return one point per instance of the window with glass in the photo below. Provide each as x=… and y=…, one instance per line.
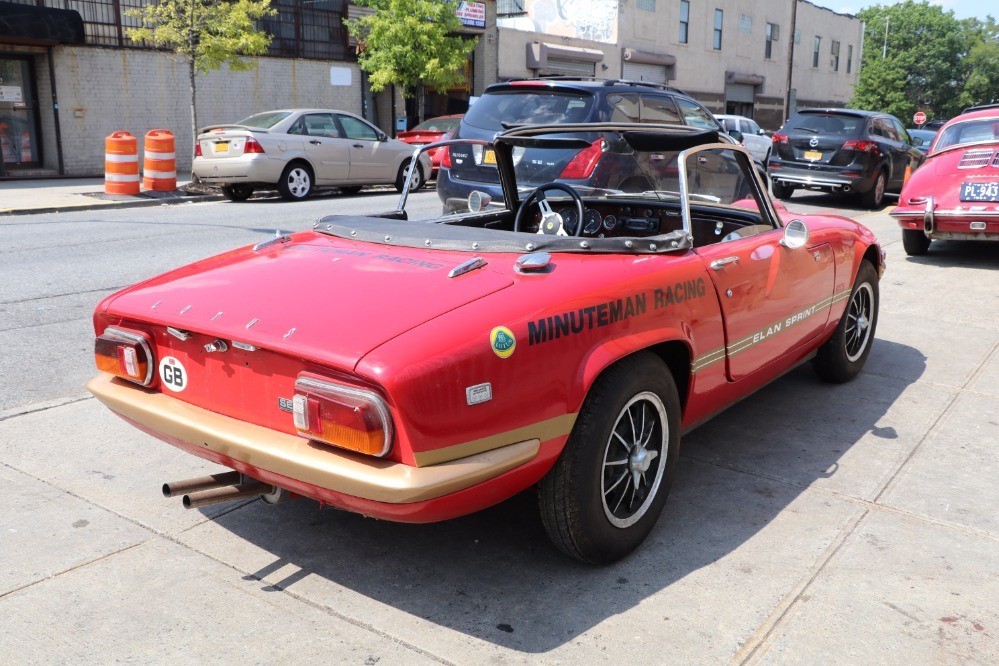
x=834, y=59
x=695, y=116
x=646, y=5
x=772, y=35
x=356, y=128
x=684, y=21
x=849, y=58
x=719, y=20
x=815, y=51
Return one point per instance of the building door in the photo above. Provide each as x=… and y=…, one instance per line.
x=739, y=98
x=19, y=136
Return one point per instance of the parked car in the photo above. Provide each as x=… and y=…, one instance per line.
x=565, y=100
x=955, y=195
x=921, y=138
x=431, y=131
x=562, y=340
x=295, y=150
x=842, y=151
x=749, y=134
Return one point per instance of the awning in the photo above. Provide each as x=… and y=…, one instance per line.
x=44, y=26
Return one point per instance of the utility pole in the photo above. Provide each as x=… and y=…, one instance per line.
x=790, y=59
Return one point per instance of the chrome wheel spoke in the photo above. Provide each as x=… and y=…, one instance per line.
x=616, y=484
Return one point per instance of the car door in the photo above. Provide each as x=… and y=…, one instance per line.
x=371, y=161
x=774, y=299
x=897, y=151
x=913, y=156
x=326, y=150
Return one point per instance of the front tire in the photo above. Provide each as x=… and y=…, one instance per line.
x=237, y=192
x=605, y=492
x=842, y=357
x=415, y=182
x=296, y=182
x=915, y=242
x=781, y=191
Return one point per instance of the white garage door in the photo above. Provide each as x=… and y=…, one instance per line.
x=740, y=92
x=635, y=71
x=566, y=66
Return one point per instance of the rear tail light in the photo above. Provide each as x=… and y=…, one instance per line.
x=197, y=149
x=343, y=416
x=125, y=354
x=253, y=146
x=861, y=146
x=585, y=161
x=779, y=138
x=445, y=152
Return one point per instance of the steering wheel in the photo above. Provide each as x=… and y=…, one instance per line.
x=547, y=214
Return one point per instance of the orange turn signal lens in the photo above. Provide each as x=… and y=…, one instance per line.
x=343, y=416
x=124, y=353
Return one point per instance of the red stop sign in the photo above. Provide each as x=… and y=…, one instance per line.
x=919, y=118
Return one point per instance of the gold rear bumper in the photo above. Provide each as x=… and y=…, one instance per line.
x=302, y=459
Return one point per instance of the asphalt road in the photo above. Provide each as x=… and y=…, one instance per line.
x=809, y=523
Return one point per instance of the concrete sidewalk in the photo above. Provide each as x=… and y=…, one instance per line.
x=22, y=197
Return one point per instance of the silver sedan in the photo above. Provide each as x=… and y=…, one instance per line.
x=295, y=150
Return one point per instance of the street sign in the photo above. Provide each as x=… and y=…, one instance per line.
x=919, y=118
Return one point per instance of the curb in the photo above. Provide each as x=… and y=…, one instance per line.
x=140, y=203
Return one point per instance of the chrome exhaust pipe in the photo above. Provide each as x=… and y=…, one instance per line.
x=220, y=480
x=847, y=188
x=929, y=224
x=248, y=490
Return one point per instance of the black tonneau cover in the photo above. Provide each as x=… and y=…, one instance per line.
x=440, y=235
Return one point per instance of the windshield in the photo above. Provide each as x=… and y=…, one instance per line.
x=437, y=125
x=827, y=123
x=264, y=120
x=528, y=107
x=969, y=131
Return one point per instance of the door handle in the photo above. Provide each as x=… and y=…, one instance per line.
x=719, y=264
x=316, y=142
x=358, y=145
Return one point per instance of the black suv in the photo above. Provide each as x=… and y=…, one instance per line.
x=558, y=101
x=842, y=151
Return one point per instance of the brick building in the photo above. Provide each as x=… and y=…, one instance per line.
x=69, y=76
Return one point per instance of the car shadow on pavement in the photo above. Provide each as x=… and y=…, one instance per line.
x=833, y=202
x=960, y=254
x=495, y=577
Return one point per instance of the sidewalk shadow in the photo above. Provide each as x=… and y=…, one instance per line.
x=494, y=576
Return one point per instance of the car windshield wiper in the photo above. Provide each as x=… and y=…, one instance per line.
x=676, y=195
x=807, y=129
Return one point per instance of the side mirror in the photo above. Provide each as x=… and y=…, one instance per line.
x=735, y=134
x=761, y=132
x=478, y=200
x=795, y=235
x=382, y=136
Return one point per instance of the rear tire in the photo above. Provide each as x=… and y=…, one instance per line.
x=237, y=192
x=416, y=182
x=782, y=191
x=842, y=357
x=915, y=242
x=296, y=182
x=605, y=492
x=876, y=195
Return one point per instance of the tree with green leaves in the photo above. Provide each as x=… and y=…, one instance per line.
x=982, y=64
x=919, y=66
x=413, y=44
x=205, y=33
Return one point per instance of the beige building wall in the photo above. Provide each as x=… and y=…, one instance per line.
x=649, y=30
x=103, y=89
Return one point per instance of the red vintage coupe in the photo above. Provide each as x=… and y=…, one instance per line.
x=561, y=339
x=955, y=194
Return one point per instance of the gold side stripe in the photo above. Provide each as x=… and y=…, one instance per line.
x=745, y=343
x=543, y=431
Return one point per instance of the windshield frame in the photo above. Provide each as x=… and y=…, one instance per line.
x=954, y=146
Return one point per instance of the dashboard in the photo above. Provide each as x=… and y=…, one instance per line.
x=619, y=219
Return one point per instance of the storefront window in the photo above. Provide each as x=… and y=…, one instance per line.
x=18, y=126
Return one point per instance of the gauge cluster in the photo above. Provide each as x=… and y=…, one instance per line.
x=620, y=220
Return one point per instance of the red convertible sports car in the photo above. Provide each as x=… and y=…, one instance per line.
x=955, y=194
x=561, y=339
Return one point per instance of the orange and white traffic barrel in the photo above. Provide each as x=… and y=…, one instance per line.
x=25, y=147
x=159, y=164
x=121, y=164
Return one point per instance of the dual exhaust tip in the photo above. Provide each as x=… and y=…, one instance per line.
x=223, y=487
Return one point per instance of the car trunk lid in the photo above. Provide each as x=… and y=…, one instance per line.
x=224, y=141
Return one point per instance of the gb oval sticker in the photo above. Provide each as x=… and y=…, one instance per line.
x=503, y=341
x=173, y=374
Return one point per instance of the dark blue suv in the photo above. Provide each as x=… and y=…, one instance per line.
x=465, y=168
